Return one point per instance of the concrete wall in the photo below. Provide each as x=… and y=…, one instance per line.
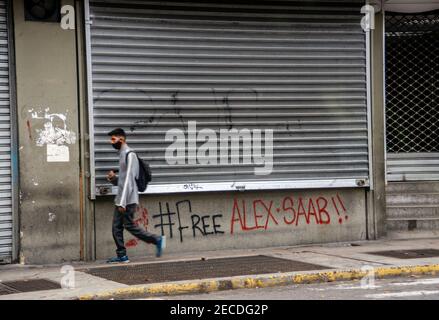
x=412, y=208
x=50, y=201
x=47, y=106
x=214, y=221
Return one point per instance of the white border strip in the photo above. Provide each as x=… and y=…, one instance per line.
x=245, y=186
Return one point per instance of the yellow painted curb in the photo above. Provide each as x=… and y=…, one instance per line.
x=258, y=281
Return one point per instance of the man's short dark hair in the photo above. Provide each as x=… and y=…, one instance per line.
x=117, y=132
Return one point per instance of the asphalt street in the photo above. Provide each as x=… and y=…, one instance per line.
x=407, y=288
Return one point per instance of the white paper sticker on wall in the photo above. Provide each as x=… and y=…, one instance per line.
x=56, y=153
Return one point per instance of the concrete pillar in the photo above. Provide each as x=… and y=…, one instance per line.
x=377, y=201
x=47, y=108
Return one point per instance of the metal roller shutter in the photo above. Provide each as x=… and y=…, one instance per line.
x=297, y=67
x=412, y=96
x=5, y=143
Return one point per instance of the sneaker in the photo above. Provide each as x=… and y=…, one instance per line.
x=123, y=259
x=160, y=245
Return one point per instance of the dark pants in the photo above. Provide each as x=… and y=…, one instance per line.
x=125, y=220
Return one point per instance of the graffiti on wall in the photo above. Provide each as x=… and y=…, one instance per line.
x=169, y=221
x=179, y=220
x=292, y=211
x=54, y=134
x=141, y=221
x=54, y=129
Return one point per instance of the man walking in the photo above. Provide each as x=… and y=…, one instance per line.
x=127, y=199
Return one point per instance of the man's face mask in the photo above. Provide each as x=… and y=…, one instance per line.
x=116, y=143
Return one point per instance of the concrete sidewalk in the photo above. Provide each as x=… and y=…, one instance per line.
x=344, y=261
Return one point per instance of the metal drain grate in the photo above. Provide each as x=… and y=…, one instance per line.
x=199, y=269
x=408, y=254
x=30, y=285
x=5, y=290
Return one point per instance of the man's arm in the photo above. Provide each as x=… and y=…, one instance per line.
x=129, y=181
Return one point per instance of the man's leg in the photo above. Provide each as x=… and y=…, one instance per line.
x=118, y=233
x=128, y=221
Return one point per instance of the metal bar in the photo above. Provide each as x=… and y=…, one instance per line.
x=369, y=106
x=80, y=77
x=237, y=15
x=90, y=98
x=234, y=6
x=384, y=92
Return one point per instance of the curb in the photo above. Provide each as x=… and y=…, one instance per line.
x=257, y=281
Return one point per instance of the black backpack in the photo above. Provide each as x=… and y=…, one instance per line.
x=144, y=174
